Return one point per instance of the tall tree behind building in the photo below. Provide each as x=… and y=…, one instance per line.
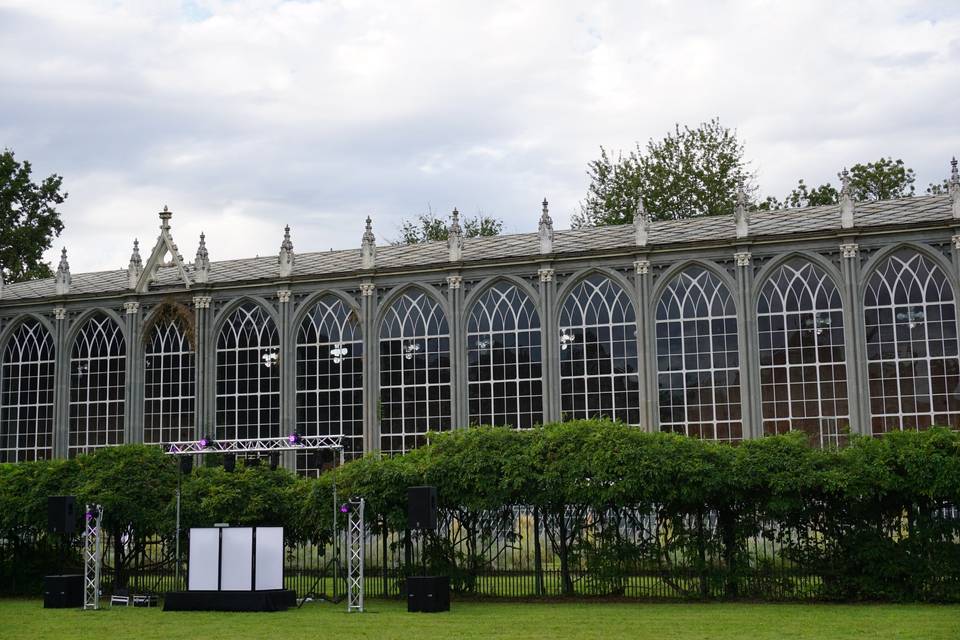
x=689, y=173
x=427, y=227
x=29, y=219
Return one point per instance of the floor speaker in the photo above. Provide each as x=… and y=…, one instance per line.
x=428, y=594
x=63, y=591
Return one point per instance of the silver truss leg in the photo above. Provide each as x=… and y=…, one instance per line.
x=356, y=533
x=92, y=555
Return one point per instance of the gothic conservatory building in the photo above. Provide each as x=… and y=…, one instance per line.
x=830, y=320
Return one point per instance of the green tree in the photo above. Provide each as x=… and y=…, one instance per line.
x=689, y=173
x=28, y=219
x=884, y=179
x=427, y=227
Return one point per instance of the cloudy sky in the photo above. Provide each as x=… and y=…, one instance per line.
x=243, y=116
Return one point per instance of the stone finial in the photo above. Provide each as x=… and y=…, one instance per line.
x=368, y=247
x=286, y=257
x=455, y=237
x=741, y=215
x=63, y=279
x=846, y=200
x=135, y=268
x=201, y=265
x=165, y=216
x=641, y=225
x=954, y=188
x=546, y=230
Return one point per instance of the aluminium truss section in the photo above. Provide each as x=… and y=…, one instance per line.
x=256, y=445
x=92, y=556
x=356, y=534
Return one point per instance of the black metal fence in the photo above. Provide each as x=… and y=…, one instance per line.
x=519, y=552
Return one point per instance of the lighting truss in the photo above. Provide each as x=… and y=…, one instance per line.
x=255, y=445
x=92, y=555
x=356, y=533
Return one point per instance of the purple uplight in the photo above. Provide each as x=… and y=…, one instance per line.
x=204, y=442
x=89, y=516
x=294, y=438
x=344, y=508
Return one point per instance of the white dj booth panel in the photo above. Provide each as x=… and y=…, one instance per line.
x=269, y=558
x=204, y=560
x=236, y=559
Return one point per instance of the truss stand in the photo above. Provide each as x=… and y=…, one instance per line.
x=92, y=556
x=356, y=533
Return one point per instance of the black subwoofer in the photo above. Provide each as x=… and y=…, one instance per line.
x=428, y=594
x=63, y=591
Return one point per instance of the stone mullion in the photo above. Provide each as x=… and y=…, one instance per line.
x=61, y=385
x=746, y=330
x=646, y=347
x=201, y=346
x=134, y=393
x=288, y=371
x=855, y=342
x=209, y=424
x=371, y=367
x=459, y=401
x=550, y=354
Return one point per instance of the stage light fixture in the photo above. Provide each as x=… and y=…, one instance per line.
x=345, y=508
x=205, y=441
x=294, y=438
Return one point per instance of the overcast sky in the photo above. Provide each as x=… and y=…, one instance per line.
x=244, y=116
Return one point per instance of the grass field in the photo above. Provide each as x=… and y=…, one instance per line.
x=24, y=619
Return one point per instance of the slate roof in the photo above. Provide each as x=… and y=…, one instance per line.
x=904, y=212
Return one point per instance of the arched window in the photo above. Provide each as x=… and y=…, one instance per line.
x=803, y=373
x=248, y=375
x=911, y=345
x=330, y=378
x=503, y=358
x=97, y=386
x=598, y=353
x=169, y=385
x=26, y=395
x=414, y=372
x=698, y=365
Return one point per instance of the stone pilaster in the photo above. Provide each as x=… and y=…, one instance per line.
x=133, y=405
x=371, y=367
x=205, y=368
x=459, y=394
x=61, y=388
x=746, y=332
x=550, y=351
x=646, y=346
x=855, y=341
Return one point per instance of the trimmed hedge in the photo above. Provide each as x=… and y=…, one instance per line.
x=875, y=520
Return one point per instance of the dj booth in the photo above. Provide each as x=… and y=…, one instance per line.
x=234, y=569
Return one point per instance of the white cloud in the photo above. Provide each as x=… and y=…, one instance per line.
x=243, y=116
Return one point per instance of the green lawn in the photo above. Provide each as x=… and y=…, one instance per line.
x=23, y=619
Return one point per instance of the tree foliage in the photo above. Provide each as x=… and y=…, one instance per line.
x=28, y=219
x=690, y=172
x=427, y=227
x=874, y=520
x=884, y=179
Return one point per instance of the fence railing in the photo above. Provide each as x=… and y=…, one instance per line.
x=521, y=552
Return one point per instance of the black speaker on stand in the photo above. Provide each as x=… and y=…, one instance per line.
x=63, y=590
x=61, y=515
x=425, y=593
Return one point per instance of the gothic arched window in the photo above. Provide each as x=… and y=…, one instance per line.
x=598, y=352
x=330, y=377
x=912, y=357
x=248, y=375
x=698, y=363
x=169, y=384
x=803, y=372
x=26, y=395
x=97, y=385
x=503, y=359
x=414, y=372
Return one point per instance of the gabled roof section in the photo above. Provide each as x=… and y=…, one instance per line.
x=781, y=225
x=165, y=247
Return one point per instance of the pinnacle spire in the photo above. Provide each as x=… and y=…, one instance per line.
x=953, y=188
x=201, y=265
x=455, y=237
x=641, y=224
x=63, y=278
x=846, y=200
x=740, y=213
x=545, y=229
x=368, y=246
x=286, y=257
x=135, y=267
